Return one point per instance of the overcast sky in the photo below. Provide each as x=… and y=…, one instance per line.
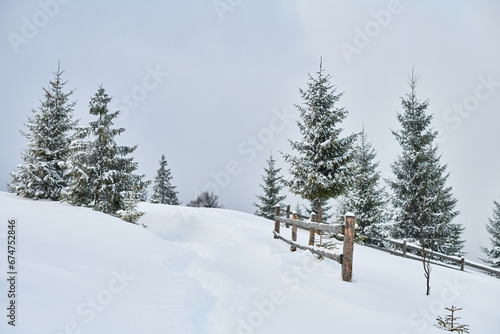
x=212, y=84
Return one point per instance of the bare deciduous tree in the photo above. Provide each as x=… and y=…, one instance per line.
x=206, y=200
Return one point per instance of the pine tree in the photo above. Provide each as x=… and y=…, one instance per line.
x=163, y=191
x=43, y=172
x=131, y=192
x=450, y=322
x=493, y=254
x=83, y=169
x=424, y=205
x=271, y=188
x=102, y=173
x=324, y=207
x=322, y=169
x=365, y=198
x=298, y=209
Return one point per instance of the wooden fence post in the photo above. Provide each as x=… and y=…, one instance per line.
x=294, y=232
x=287, y=215
x=311, y=231
x=462, y=263
x=277, y=210
x=347, y=256
x=404, y=247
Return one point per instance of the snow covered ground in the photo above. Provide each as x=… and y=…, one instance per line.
x=213, y=271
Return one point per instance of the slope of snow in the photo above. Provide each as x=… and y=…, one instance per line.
x=214, y=271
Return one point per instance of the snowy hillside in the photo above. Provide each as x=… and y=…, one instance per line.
x=213, y=271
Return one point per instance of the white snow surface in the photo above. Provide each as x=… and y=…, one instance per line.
x=213, y=271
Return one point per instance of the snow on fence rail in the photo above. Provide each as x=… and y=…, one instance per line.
x=347, y=229
x=405, y=246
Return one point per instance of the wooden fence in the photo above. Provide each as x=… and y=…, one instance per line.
x=461, y=261
x=347, y=229
x=345, y=259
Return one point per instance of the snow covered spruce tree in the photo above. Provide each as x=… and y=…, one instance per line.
x=298, y=209
x=325, y=208
x=102, y=173
x=365, y=198
x=423, y=203
x=271, y=188
x=163, y=191
x=43, y=172
x=322, y=169
x=493, y=253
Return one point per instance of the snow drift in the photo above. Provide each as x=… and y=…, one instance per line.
x=214, y=271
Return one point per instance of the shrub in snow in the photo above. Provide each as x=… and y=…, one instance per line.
x=450, y=322
x=206, y=200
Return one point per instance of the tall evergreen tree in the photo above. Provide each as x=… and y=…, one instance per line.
x=493, y=253
x=365, y=198
x=102, y=172
x=43, y=171
x=163, y=191
x=271, y=188
x=424, y=205
x=322, y=169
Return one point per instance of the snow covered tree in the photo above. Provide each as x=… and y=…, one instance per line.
x=422, y=200
x=102, y=172
x=313, y=207
x=424, y=206
x=206, y=200
x=298, y=209
x=131, y=193
x=271, y=188
x=43, y=172
x=365, y=198
x=322, y=169
x=493, y=254
x=163, y=191
x=82, y=169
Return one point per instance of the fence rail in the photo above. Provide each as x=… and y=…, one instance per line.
x=461, y=261
x=316, y=250
x=336, y=229
x=345, y=259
